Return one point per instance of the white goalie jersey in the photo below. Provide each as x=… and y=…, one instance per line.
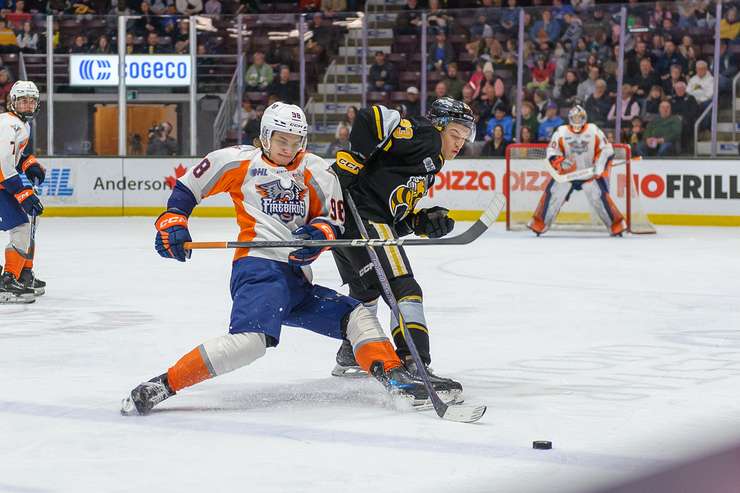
x=588, y=148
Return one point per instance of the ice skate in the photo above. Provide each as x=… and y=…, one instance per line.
x=29, y=280
x=399, y=382
x=13, y=292
x=147, y=395
x=447, y=388
x=347, y=364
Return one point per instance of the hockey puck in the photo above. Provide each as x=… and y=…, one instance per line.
x=542, y=445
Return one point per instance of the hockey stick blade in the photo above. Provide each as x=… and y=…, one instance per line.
x=480, y=226
x=463, y=413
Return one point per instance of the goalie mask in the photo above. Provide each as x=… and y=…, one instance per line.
x=282, y=117
x=447, y=110
x=23, y=89
x=577, y=118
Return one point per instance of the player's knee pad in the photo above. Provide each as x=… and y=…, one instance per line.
x=372, y=306
x=369, y=343
x=20, y=238
x=231, y=351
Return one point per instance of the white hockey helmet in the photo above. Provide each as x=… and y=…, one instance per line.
x=23, y=89
x=577, y=118
x=282, y=117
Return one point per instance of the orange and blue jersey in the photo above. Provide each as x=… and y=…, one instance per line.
x=270, y=200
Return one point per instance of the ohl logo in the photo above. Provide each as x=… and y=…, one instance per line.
x=57, y=183
x=404, y=198
x=95, y=70
x=284, y=202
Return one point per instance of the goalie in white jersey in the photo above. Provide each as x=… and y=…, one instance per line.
x=580, y=158
x=279, y=192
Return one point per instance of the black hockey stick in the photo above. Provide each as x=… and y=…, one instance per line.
x=461, y=413
x=478, y=228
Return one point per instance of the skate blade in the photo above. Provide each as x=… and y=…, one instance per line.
x=128, y=408
x=39, y=291
x=349, y=372
x=9, y=299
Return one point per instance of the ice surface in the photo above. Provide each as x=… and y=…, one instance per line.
x=625, y=353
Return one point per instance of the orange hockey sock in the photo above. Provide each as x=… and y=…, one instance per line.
x=189, y=370
x=14, y=262
x=373, y=351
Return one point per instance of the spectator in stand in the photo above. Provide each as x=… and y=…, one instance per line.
x=633, y=58
x=670, y=83
x=8, y=41
x=213, y=8
x=349, y=116
x=547, y=29
x=79, y=45
x=528, y=137
x=510, y=18
x=341, y=141
x=729, y=27
x=252, y=128
x=440, y=91
x=501, y=117
x=574, y=30
x=441, y=53
x=496, y=146
x=550, y=123
x=580, y=56
x=28, y=41
x=102, y=47
x=162, y=7
x=6, y=82
x=542, y=74
x=486, y=103
x=131, y=47
x=598, y=105
x=437, y=18
x=560, y=10
x=541, y=100
x=244, y=114
x=567, y=92
x=481, y=28
x=408, y=21
x=476, y=78
x=657, y=46
x=467, y=98
x=685, y=106
x=189, y=7
x=651, y=106
x=671, y=56
x=152, y=44
x=587, y=87
x=633, y=135
x=686, y=44
x=412, y=103
x=259, y=75
x=18, y=16
x=285, y=89
x=701, y=85
x=529, y=118
x=146, y=22
x=630, y=106
x=382, y=76
x=646, y=79
x=727, y=67
x=324, y=33
x=662, y=135
x=453, y=82
x=182, y=36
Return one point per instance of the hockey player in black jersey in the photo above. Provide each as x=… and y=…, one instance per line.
x=391, y=166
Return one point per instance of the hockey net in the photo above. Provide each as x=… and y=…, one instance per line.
x=526, y=177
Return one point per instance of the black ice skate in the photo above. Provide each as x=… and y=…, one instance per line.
x=32, y=282
x=443, y=386
x=347, y=364
x=12, y=291
x=147, y=395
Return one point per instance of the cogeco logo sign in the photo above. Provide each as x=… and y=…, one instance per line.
x=141, y=70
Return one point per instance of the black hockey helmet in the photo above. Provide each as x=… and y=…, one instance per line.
x=447, y=110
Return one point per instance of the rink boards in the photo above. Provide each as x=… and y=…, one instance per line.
x=675, y=192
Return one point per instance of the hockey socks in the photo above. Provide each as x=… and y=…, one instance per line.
x=412, y=311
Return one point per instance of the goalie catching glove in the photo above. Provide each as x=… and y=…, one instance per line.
x=433, y=222
x=172, y=232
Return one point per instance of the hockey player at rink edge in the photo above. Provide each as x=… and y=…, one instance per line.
x=280, y=192
x=392, y=165
x=18, y=201
x=573, y=148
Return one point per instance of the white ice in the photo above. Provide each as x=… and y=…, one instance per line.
x=625, y=353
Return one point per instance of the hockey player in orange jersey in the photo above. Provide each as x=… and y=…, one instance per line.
x=279, y=192
x=580, y=157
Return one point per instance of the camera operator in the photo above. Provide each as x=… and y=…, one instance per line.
x=160, y=142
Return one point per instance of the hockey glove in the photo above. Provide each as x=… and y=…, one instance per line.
x=433, y=222
x=33, y=170
x=172, y=232
x=562, y=165
x=316, y=230
x=29, y=202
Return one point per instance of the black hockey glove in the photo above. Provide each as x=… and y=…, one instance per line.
x=433, y=222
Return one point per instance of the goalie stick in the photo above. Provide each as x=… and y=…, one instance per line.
x=461, y=413
x=579, y=174
x=488, y=217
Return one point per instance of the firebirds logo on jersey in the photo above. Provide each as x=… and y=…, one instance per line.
x=403, y=199
x=577, y=146
x=286, y=203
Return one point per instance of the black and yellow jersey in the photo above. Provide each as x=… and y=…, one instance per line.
x=387, y=182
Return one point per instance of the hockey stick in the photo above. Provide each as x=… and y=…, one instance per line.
x=488, y=217
x=32, y=241
x=460, y=413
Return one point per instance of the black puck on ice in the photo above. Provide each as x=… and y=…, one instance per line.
x=542, y=445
